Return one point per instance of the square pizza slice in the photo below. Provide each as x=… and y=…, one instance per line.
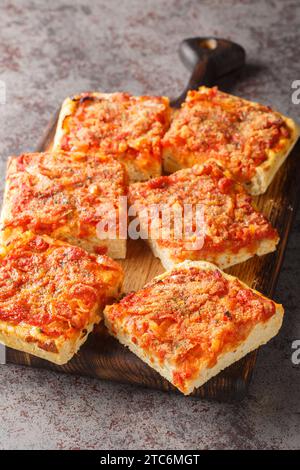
x=250, y=139
x=52, y=294
x=72, y=197
x=192, y=322
x=200, y=213
x=129, y=128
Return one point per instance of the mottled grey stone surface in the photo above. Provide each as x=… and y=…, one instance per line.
x=51, y=49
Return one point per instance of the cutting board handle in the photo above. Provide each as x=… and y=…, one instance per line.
x=209, y=59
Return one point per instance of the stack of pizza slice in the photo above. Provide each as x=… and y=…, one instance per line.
x=56, y=276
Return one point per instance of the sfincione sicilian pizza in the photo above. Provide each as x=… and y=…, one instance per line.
x=230, y=229
x=52, y=294
x=193, y=321
x=71, y=197
x=250, y=139
x=129, y=128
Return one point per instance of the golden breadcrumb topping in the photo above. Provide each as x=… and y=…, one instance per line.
x=127, y=127
x=213, y=124
x=53, y=286
x=189, y=318
x=230, y=220
x=65, y=193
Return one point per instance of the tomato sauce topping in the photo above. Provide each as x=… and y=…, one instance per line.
x=213, y=124
x=118, y=125
x=190, y=317
x=50, y=192
x=230, y=220
x=56, y=287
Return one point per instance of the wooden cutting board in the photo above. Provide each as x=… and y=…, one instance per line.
x=210, y=60
x=103, y=357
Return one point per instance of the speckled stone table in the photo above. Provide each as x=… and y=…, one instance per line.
x=51, y=49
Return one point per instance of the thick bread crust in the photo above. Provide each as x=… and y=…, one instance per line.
x=115, y=249
x=223, y=260
x=125, y=339
x=67, y=108
x=170, y=163
x=15, y=337
x=267, y=170
x=136, y=174
x=3, y=209
x=259, y=335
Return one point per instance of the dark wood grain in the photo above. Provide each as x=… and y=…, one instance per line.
x=103, y=357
